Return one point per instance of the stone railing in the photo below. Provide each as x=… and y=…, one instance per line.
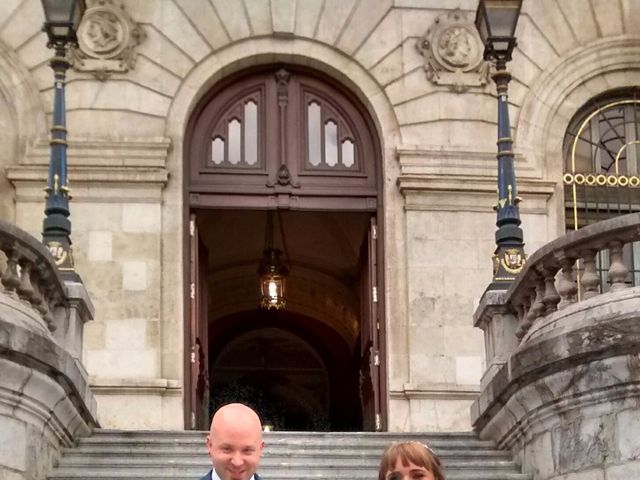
x=561, y=389
x=45, y=399
x=564, y=271
x=30, y=274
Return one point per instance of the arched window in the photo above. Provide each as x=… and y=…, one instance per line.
x=283, y=131
x=602, y=168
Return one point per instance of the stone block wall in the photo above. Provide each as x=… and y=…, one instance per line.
x=126, y=126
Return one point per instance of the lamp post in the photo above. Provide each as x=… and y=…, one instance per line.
x=496, y=23
x=62, y=18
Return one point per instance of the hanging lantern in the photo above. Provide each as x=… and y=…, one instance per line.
x=273, y=269
x=272, y=273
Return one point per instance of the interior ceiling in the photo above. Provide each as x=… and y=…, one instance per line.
x=327, y=242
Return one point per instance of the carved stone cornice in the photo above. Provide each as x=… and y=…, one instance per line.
x=133, y=152
x=135, y=386
x=110, y=171
x=455, y=176
x=435, y=391
x=425, y=161
x=469, y=193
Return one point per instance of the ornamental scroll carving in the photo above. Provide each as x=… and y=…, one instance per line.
x=452, y=53
x=107, y=39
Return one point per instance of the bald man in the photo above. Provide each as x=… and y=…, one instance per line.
x=234, y=443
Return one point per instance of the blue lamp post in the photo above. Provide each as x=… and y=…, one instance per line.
x=62, y=18
x=496, y=22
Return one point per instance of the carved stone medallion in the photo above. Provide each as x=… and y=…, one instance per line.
x=452, y=53
x=107, y=38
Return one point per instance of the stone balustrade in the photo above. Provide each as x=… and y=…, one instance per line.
x=45, y=399
x=562, y=388
x=564, y=272
x=30, y=274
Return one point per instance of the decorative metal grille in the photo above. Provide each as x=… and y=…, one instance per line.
x=602, y=174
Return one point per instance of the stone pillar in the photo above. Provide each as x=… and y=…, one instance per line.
x=498, y=322
x=71, y=320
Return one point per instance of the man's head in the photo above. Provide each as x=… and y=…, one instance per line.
x=235, y=442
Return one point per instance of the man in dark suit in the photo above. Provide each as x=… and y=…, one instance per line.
x=234, y=443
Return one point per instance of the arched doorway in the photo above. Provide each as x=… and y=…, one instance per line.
x=295, y=377
x=278, y=373
x=291, y=140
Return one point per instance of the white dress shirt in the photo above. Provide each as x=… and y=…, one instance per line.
x=214, y=475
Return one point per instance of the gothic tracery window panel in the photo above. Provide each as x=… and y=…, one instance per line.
x=348, y=153
x=217, y=150
x=331, y=143
x=251, y=132
x=286, y=131
x=235, y=139
x=330, y=140
x=235, y=132
x=314, y=138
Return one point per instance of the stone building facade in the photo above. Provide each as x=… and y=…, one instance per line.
x=146, y=69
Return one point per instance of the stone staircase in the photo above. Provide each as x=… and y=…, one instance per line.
x=115, y=454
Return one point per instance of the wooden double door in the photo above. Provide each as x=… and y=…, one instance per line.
x=288, y=139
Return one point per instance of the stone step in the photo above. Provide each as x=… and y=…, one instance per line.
x=278, y=475
x=345, y=461
x=169, y=451
x=157, y=455
x=278, y=447
x=275, y=439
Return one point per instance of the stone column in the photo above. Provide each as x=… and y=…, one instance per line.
x=71, y=320
x=498, y=322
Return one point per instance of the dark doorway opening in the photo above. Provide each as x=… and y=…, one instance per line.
x=307, y=367
x=298, y=374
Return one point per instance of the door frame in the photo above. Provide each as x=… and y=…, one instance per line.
x=196, y=199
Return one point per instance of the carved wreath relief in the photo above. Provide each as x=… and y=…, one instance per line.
x=452, y=53
x=107, y=38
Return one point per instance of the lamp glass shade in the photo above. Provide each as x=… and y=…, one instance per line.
x=502, y=17
x=272, y=280
x=497, y=18
x=62, y=18
x=272, y=290
x=496, y=22
x=481, y=23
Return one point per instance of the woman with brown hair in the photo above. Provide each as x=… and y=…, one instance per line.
x=410, y=461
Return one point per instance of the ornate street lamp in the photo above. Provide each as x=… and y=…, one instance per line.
x=496, y=22
x=62, y=18
x=273, y=269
